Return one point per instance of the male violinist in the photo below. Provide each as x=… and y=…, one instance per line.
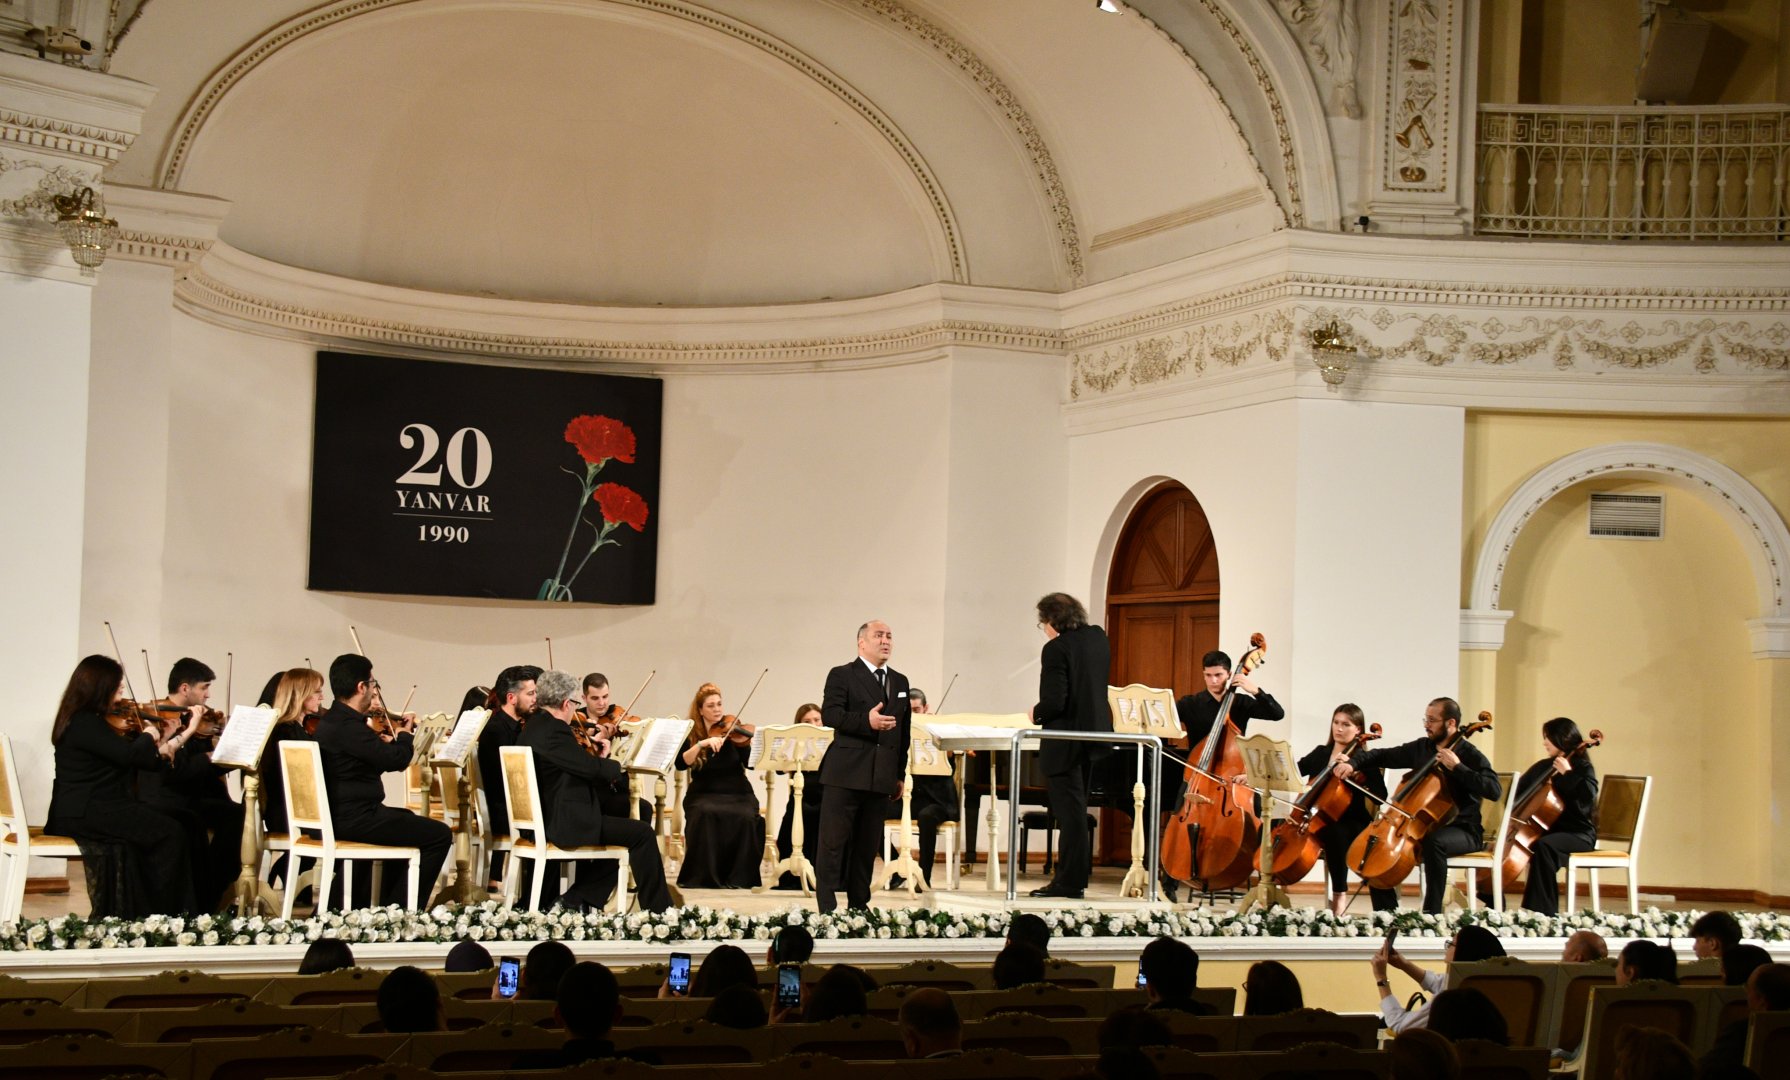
x=1469, y=777
x=607, y=715
x=512, y=700
x=195, y=791
x=353, y=759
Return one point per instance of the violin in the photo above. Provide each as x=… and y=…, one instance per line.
x=1211, y=839
x=1535, y=811
x=130, y=719
x=1296, y=845
x=1386, y=852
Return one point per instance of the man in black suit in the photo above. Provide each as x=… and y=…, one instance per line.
x=866, y=705
x=1071, y=697
x=353, y=759
x=572, y=786
x=514, y=694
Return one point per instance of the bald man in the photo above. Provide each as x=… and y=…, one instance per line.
x=866, y=705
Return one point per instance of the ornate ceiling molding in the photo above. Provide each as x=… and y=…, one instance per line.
x=167, y=249
x=100, y=145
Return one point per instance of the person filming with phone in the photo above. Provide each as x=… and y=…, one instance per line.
x=1470, y=943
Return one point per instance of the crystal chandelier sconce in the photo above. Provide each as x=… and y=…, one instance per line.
x=1332, y=353
x=85, y=228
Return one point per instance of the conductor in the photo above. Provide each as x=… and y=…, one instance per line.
x=1071, y=697
x=866, y=705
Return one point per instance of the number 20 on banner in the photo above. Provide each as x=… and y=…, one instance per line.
x=467, y=462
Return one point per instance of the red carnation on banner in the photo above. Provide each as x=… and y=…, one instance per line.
x=622, y=506
x=599, y=438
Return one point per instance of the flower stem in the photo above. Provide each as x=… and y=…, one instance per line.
x=589, y=486
x=602, y=538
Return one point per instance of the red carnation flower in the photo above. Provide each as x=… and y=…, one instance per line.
x=599, y=438
x=621, y=504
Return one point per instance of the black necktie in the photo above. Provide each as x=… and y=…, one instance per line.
x=882, y=681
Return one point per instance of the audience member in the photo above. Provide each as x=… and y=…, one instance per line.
x=1270, y=989
x=542, y=969
x=468, y=955
x=1018, y=965
x=792, y=945
x=724, y=966
x=587, y=1004
x=840, y=992
x=1125, y=1063
x=1133, y=1026
x=1466, y=1013
x=1171, y=972
x=1469, y=944
x=1584, y=947
x=1029, y=929
x=738, y=1006
x=1714, y=933
x=1647, y=1053
x=326, y=954
x=1767, y=990
x=1421, y=1054
x=930, y=1026
x=1641, y=959
x=409, y=1002
x=1738, y=962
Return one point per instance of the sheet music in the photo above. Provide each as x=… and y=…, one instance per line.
x=239, y=747
x=964, y=732
x=459, y=744
x=757, y=751
x=658, y=745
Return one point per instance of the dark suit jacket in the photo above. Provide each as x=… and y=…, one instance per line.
x=1072, y=696
x=94, y=766
x=354, y=758
x=862, y=759
x=499, y=731
x=571, y=780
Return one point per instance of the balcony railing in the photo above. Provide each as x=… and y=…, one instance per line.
x=1619, y=173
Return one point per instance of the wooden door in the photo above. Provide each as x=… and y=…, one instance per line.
x=1161, y=611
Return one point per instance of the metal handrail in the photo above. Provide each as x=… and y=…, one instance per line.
x=1151, y=743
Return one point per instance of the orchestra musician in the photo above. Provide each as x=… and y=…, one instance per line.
x=512, y=700
x=934, y=803
x=1574, y=780
x=572, y=781
x=195, y=790
x=865, y=703
x=1072, y=697
x=812, y=790
x=297, y=695
x=723, y=831
x=607, y=715
x=1346, y=723
x=1466, y=772
x=136, y=857
x=354, y=756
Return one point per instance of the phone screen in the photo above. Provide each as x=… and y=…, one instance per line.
x=1141, y=981
x=509, y=973
x=789, y=985
x=1391, y=936
x=679, y=980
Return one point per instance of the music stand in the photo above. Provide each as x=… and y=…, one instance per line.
x=455, y=748
x=795, y=749
x=925, y=758
x=1270, y=768
x=240, y=747
x=1141, y=710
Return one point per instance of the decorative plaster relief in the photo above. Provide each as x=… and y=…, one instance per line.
x=168, y=249
x=63, y=137
x=35, y=202
x=1420, y=91
x=1329, y=33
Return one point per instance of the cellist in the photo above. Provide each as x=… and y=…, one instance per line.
x=1575, y=782
x=1469, y=777
x=1346, y=724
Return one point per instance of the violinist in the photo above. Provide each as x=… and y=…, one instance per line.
x=1346, y=724
x=1574, y=779
x=512, y=700
x=812, y=790
x=354, y=756
x=723, y=832
x=297, y=695
x=195, y=790
x=1466, y=772
x=606, y=717
x=136, y=857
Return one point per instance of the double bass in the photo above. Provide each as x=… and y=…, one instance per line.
x=1296, y=845
x=1386, y=852
x=1212, y=837
x=1535, y=811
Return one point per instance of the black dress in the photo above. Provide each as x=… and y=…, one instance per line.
x=723, y=832
x=140, y=862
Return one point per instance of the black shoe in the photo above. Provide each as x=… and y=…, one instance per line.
x=1484, y=895
x=1171, y=889
x=1055, y=890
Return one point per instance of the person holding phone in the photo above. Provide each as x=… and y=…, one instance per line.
x=509, y=977
x=865, y=703
x=677, y=976
x=1470, y=943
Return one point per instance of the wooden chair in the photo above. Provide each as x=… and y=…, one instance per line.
x=1489, y=859
x=170, y=990
x=937, y=973
x=294, y=1052
x=362, y=1018
x=307, y=811
x=1522, y=991
x=1316, y=1061
x=1030, y=1034
x=1573, y=984
x=89, y=1057
x=1181, y=1063
x=1726, y=1005
x=1204, y=1034
x=19, y=843
x=1672, y=1009
x=469, y=985
x=1306, y=1026
x=1482, y=1059
x=524, y=790
x=1767, y=1040
x=224, y=1020
x=982, y=1065
x=850, y=1038
x=1621, y=812
x=29, y=1021
x=54, y=991
x=343, y=987
x=696, y=1042
x=488, y=842
x=1073, y=976
x=491, y=1047
x=947, y=840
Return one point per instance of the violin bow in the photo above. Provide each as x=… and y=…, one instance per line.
x=356, y=636
x=629, y=708
x=550, y=666
x=737, y=712
x=942, y=697
x=118, y=655
x=229, y=683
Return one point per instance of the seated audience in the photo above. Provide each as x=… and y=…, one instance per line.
x=326, y=954
x=1647, y=1053
x=1125, y=1063
x=1018, y=965
x=1466, y=1013
x=724, y=966
x=542, y=968
x=1584, y=947
x=1641, y=959
x=1767, y=990
x=738, y=1006
x=468, y=955
x=840, y=992
x=1132, y=1026
x=792, y=945
x=1470, y=943
x=409, y=1002
x=1739, y=961
x=1171, y=971
x=588, y=1004
x=930, y=1026
x=1420, y=1054
x=1714, y=933
x=1270, y=989
x=1029, y=929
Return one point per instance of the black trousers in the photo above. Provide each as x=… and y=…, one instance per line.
x=595, y=879
x=397, y=828
x=154, y=875
x=851, y=834
x=1336, y=838
x=928, y=821
x=1437, y=848
x=1067, y=795
x=1541, y=892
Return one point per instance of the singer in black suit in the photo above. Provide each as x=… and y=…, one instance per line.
x=866, y=705
x=574, y=783
x=1071, y=697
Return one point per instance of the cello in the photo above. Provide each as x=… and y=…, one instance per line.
x=1536, y=810
x=1212, y=837
x=1386, y=852
x=1296, y=845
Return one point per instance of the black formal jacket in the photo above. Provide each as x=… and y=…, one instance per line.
x=94, y=768
x=1198, y=711
x=499, y=731
x=1072, y=696
x=1374, y=780
x=273, y=777
x=571, y=781
x=353, y=760
x=1469, y=782
x=860, y=758
x=1578, y=794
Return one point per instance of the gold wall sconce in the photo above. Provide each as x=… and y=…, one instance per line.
x=1332, y=353
x=85, y=228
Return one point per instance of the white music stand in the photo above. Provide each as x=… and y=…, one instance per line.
x=796, y=750
x=1141, y=710
x=1270, y=767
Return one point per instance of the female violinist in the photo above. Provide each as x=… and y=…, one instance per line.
x=1346, y=725
x=723, y=832
x=297, y=697
x=1569, y=770
x=136, y=857
x=812, y=790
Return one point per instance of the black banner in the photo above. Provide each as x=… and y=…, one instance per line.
x=440, y=479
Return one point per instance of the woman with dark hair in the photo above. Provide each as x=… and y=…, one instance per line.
x=1466, y=1013
x=1346, y=723
x=1270, y=989
x=725, y=966
x=723, y=832
x=1568, y=768
x=812, y=790
x=1469, y=944
x=326, y=955
x=136, y=857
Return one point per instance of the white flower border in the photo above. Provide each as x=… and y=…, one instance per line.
x=491, y=921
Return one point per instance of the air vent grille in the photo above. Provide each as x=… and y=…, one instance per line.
x=1628, y=517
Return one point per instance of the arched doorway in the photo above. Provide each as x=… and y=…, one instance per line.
x=1161, y=608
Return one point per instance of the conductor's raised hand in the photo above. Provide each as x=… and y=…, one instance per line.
x=880, y=721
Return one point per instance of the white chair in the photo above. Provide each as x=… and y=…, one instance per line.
x=307, y=811
x=18, y=843
x=947, y=840
x=1491, y=857
x=488, y=841
x=1621, y=812
x=524, y=790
